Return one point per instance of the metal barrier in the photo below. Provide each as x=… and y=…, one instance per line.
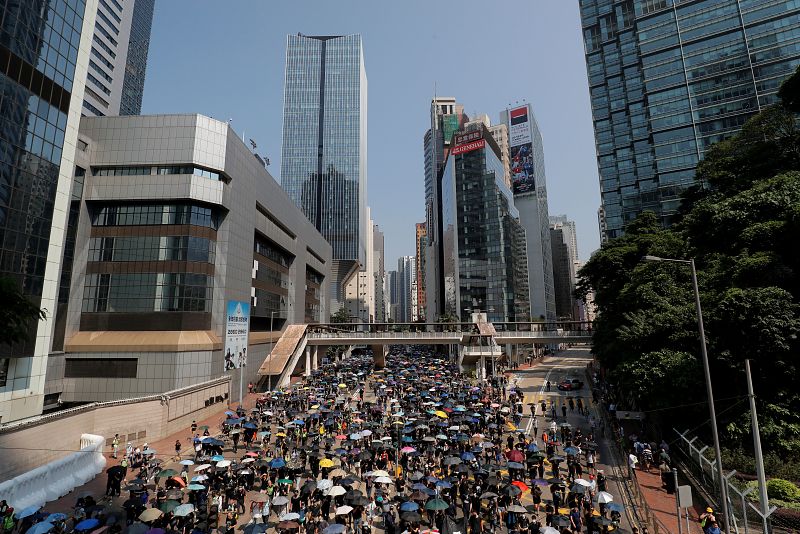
x=746, y=518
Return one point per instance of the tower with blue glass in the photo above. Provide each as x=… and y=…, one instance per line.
x=324, y=151
x=668, y=79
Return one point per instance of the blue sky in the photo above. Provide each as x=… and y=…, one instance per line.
x=226, y=59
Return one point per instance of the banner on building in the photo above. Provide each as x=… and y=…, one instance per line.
x=521, y=150
x=237, y=331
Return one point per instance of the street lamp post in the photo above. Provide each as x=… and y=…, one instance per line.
x=723, y=490
x=271, y=346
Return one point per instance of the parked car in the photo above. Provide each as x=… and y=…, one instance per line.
x=570, y=383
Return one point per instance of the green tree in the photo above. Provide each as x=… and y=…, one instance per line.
x=341, y=316
x=16, y=313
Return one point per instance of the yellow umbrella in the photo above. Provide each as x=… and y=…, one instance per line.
x=511, y=426
x=326, y=462
x=315, y=407
x=281, y=434
x=398, y=423
x=441, y=414
x=342, y=385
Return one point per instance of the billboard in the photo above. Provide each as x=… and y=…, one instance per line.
x=468, y=147
x=519, y=128
x=237, y=330
x=521, y=150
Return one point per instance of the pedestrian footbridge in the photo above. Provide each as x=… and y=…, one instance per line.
x=301, y=347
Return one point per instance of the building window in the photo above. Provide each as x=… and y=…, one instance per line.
x=152, y=248
x=100, y=367
x=148, y=292
x=154, y=214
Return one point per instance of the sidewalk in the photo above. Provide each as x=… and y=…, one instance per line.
x=165, y=449
x=662, y=505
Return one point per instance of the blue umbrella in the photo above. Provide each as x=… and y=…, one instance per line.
x=58, y=516
x=86, y=524
x=232, y=421
x=571, y=450
x=515, y=465
x=230, y=413
x=409, y=506
x=533, y=448
x=467, y=456
x=277, y=463
x=195, y=487
x=615, y=507
x=299, y=422
x=217, y=458
x=334, y=528
x=183, y=510
x=250, y=425
x=40, y=528
x=27, y=512
x=443, y=484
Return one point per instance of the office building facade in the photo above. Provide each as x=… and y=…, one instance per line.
x=379, y=273
x=324, y=151
x=406, y=283
x=421, y=246
x=178, y=224
x=529, y=184
x=669, y=79
x=564, y=244
x=483, y=242
x=44, y=53
x=118, y=58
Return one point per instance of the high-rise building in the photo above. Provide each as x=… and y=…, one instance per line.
x=406, y=287
x=393, y=296
x=670, y=78
x=601, y=224
x=564, y=245
x=446, y=117
x=529, y=184
x=118, y=60
x=484, y=264
x=421, y=241
x=324, y=152
x=44, y=55
x=378, y=273
x=360, y=289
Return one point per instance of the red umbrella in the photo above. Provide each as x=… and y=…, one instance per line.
x=252, y=454
x=521, y=485
x=179, y=481
x=515, y=456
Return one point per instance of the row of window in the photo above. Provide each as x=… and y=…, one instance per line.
x=148, y=292
x=152, y=248
x=104, y=32
x=104, y=46
x=273, y=252
x=146, y=170
x=100, y=367
x=154, y=214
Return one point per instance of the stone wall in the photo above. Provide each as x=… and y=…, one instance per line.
x=28, y=444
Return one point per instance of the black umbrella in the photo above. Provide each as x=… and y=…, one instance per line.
x=411, y=517
x=561, y=521
x=117, y=470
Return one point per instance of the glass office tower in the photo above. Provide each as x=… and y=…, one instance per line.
x=43, y=50
x=136, y=61
x=324, y=154
x=669, y=78
x=484, y=260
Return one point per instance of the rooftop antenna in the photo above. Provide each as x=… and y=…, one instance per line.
x=253, y=144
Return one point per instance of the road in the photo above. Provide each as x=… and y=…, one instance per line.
x=532, y=382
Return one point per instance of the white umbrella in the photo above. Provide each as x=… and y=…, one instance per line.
x=383, y=480
x=291, y=516
x=379, y=473
x=344, y=510
x=583, y=482
x=549, y=530
x=248, y=460
x=280, y=500
x=202, y=467
x=187, y=462
x=223, y=463
x=324, y=484
x=604, y=497
x=366, y=432
x=336, y=491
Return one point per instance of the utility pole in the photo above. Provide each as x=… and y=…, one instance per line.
x=762, y=479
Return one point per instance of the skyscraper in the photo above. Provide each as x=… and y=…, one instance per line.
x=406, y=286
x=667, y=80
x=421, y=242
x=324, y=152
x=118, y=61
x=446, y=117
x=564, y=245
x=529, y=184
x=378, y=273
x=44, y=51
x=484, y=265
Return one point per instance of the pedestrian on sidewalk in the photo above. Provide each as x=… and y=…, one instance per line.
x=178, y=449
x=115, y=446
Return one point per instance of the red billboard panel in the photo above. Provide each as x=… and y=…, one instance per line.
x=468, y=147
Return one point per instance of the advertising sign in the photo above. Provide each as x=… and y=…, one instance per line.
x=468, y=147
x=521, y=150
x=519, y=129
x=469, y=136
x=237, y=330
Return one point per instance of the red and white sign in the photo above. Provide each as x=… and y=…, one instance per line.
x=519, y=128
x=469, y=147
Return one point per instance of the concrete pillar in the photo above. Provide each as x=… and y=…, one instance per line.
x=315, y=359
x=308, y=361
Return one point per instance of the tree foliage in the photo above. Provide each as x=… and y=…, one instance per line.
x=17, y=313
x=742, y=226
x=341, y=316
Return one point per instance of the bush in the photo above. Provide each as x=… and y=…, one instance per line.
x=778, y=488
